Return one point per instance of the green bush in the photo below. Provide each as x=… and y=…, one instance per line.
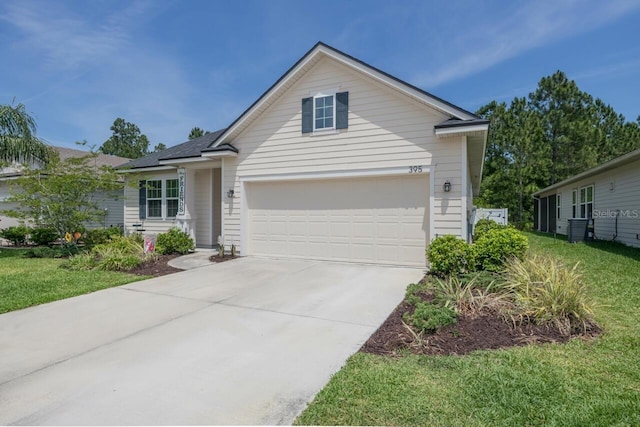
x=42, y=236
x=121, y=253
x=428, y=317
x=85, y=261
x=450, y=255
x=549, y=291
x=484, y=225
x=174, y=241
x=17, y=234
x=45, y=252
x=99, y=236
x=497, y=246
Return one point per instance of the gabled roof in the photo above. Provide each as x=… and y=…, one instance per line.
x=319, y=51
x=69, y=153
x=604, y=167
x=220, y=141
x=100, y=160
x=191, y=148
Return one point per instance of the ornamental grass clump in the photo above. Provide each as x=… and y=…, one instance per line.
x=548, y=291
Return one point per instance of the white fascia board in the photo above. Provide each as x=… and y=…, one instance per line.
x=435, y=103
x=143, y=170
x=462, y=129
x=351, y=173
x=266, y=96
x=183, y=161
x=216, y=154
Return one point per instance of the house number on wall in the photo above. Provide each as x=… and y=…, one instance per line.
x=415, y=169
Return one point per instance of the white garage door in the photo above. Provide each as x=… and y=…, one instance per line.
x=382, y=220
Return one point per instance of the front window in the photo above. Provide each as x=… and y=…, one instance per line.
x=172, y=197
x=558, y=199
x=586, y=202
x=323, y=112
x=574, y=203
x=154, y=199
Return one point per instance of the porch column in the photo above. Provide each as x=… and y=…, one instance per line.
x=186, y=217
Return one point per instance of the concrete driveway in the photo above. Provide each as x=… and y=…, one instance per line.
x=249, y=341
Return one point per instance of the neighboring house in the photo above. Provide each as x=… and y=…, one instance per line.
x=114, y=206
x=609, y=194
x=336, y=161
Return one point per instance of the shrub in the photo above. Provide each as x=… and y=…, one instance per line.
x=45, y=252
x=174, y=241
x=428, y=317
x=499, y=245
x=85, y=261
x=450, y=255
x=484, y=225
x=121, y=253
x=101, y=235
x=549, y=291
x=16, y=234
x=42, y=236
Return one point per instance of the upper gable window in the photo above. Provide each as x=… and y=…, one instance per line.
x=324, y=112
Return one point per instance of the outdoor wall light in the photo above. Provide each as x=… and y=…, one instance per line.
x=230, y=194
x=447, y=186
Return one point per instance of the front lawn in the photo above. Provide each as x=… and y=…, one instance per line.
x=30, y=281
x=593, y=382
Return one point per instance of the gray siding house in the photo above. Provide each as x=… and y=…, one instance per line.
x=609, y=194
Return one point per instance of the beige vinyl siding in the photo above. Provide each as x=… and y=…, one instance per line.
x=204, y=208
x=625, y=196
x=131, y=212
x=386, y=129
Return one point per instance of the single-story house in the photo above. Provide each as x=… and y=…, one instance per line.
x=609, y=194
x=337, y=160
x=113, y=206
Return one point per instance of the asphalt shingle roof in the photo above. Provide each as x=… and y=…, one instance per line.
x=191, y=148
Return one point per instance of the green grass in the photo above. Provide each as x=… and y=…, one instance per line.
x=31, y=281
x=595, y=383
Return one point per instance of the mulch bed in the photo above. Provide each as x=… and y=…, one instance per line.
x=158, y=267
x=226, y=257
x=488, y=330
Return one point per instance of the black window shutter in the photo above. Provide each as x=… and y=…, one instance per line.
x=307, y=115
x=142, y=199
x=342, y=110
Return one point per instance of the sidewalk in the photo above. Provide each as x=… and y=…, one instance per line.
x=197, y=259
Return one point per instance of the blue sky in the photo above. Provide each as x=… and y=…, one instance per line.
x=169, y=65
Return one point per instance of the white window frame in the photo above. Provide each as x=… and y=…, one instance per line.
x=585, y=204
x=324, y=95
x=167, y=198
x=574, y=204
x=164, y=208
x=149, y=198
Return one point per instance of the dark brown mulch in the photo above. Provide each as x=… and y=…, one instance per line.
x=485, y=331
x=158, y=267
x=226, y=257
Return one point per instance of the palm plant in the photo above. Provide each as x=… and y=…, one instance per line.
x=18, y=142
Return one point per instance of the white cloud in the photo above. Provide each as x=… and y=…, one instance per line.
x=534, y=24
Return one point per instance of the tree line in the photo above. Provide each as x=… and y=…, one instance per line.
x=555, y=132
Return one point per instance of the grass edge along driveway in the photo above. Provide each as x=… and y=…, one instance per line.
x=580, y=383
x=25, y=282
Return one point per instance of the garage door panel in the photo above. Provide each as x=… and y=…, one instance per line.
x=373, y=220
